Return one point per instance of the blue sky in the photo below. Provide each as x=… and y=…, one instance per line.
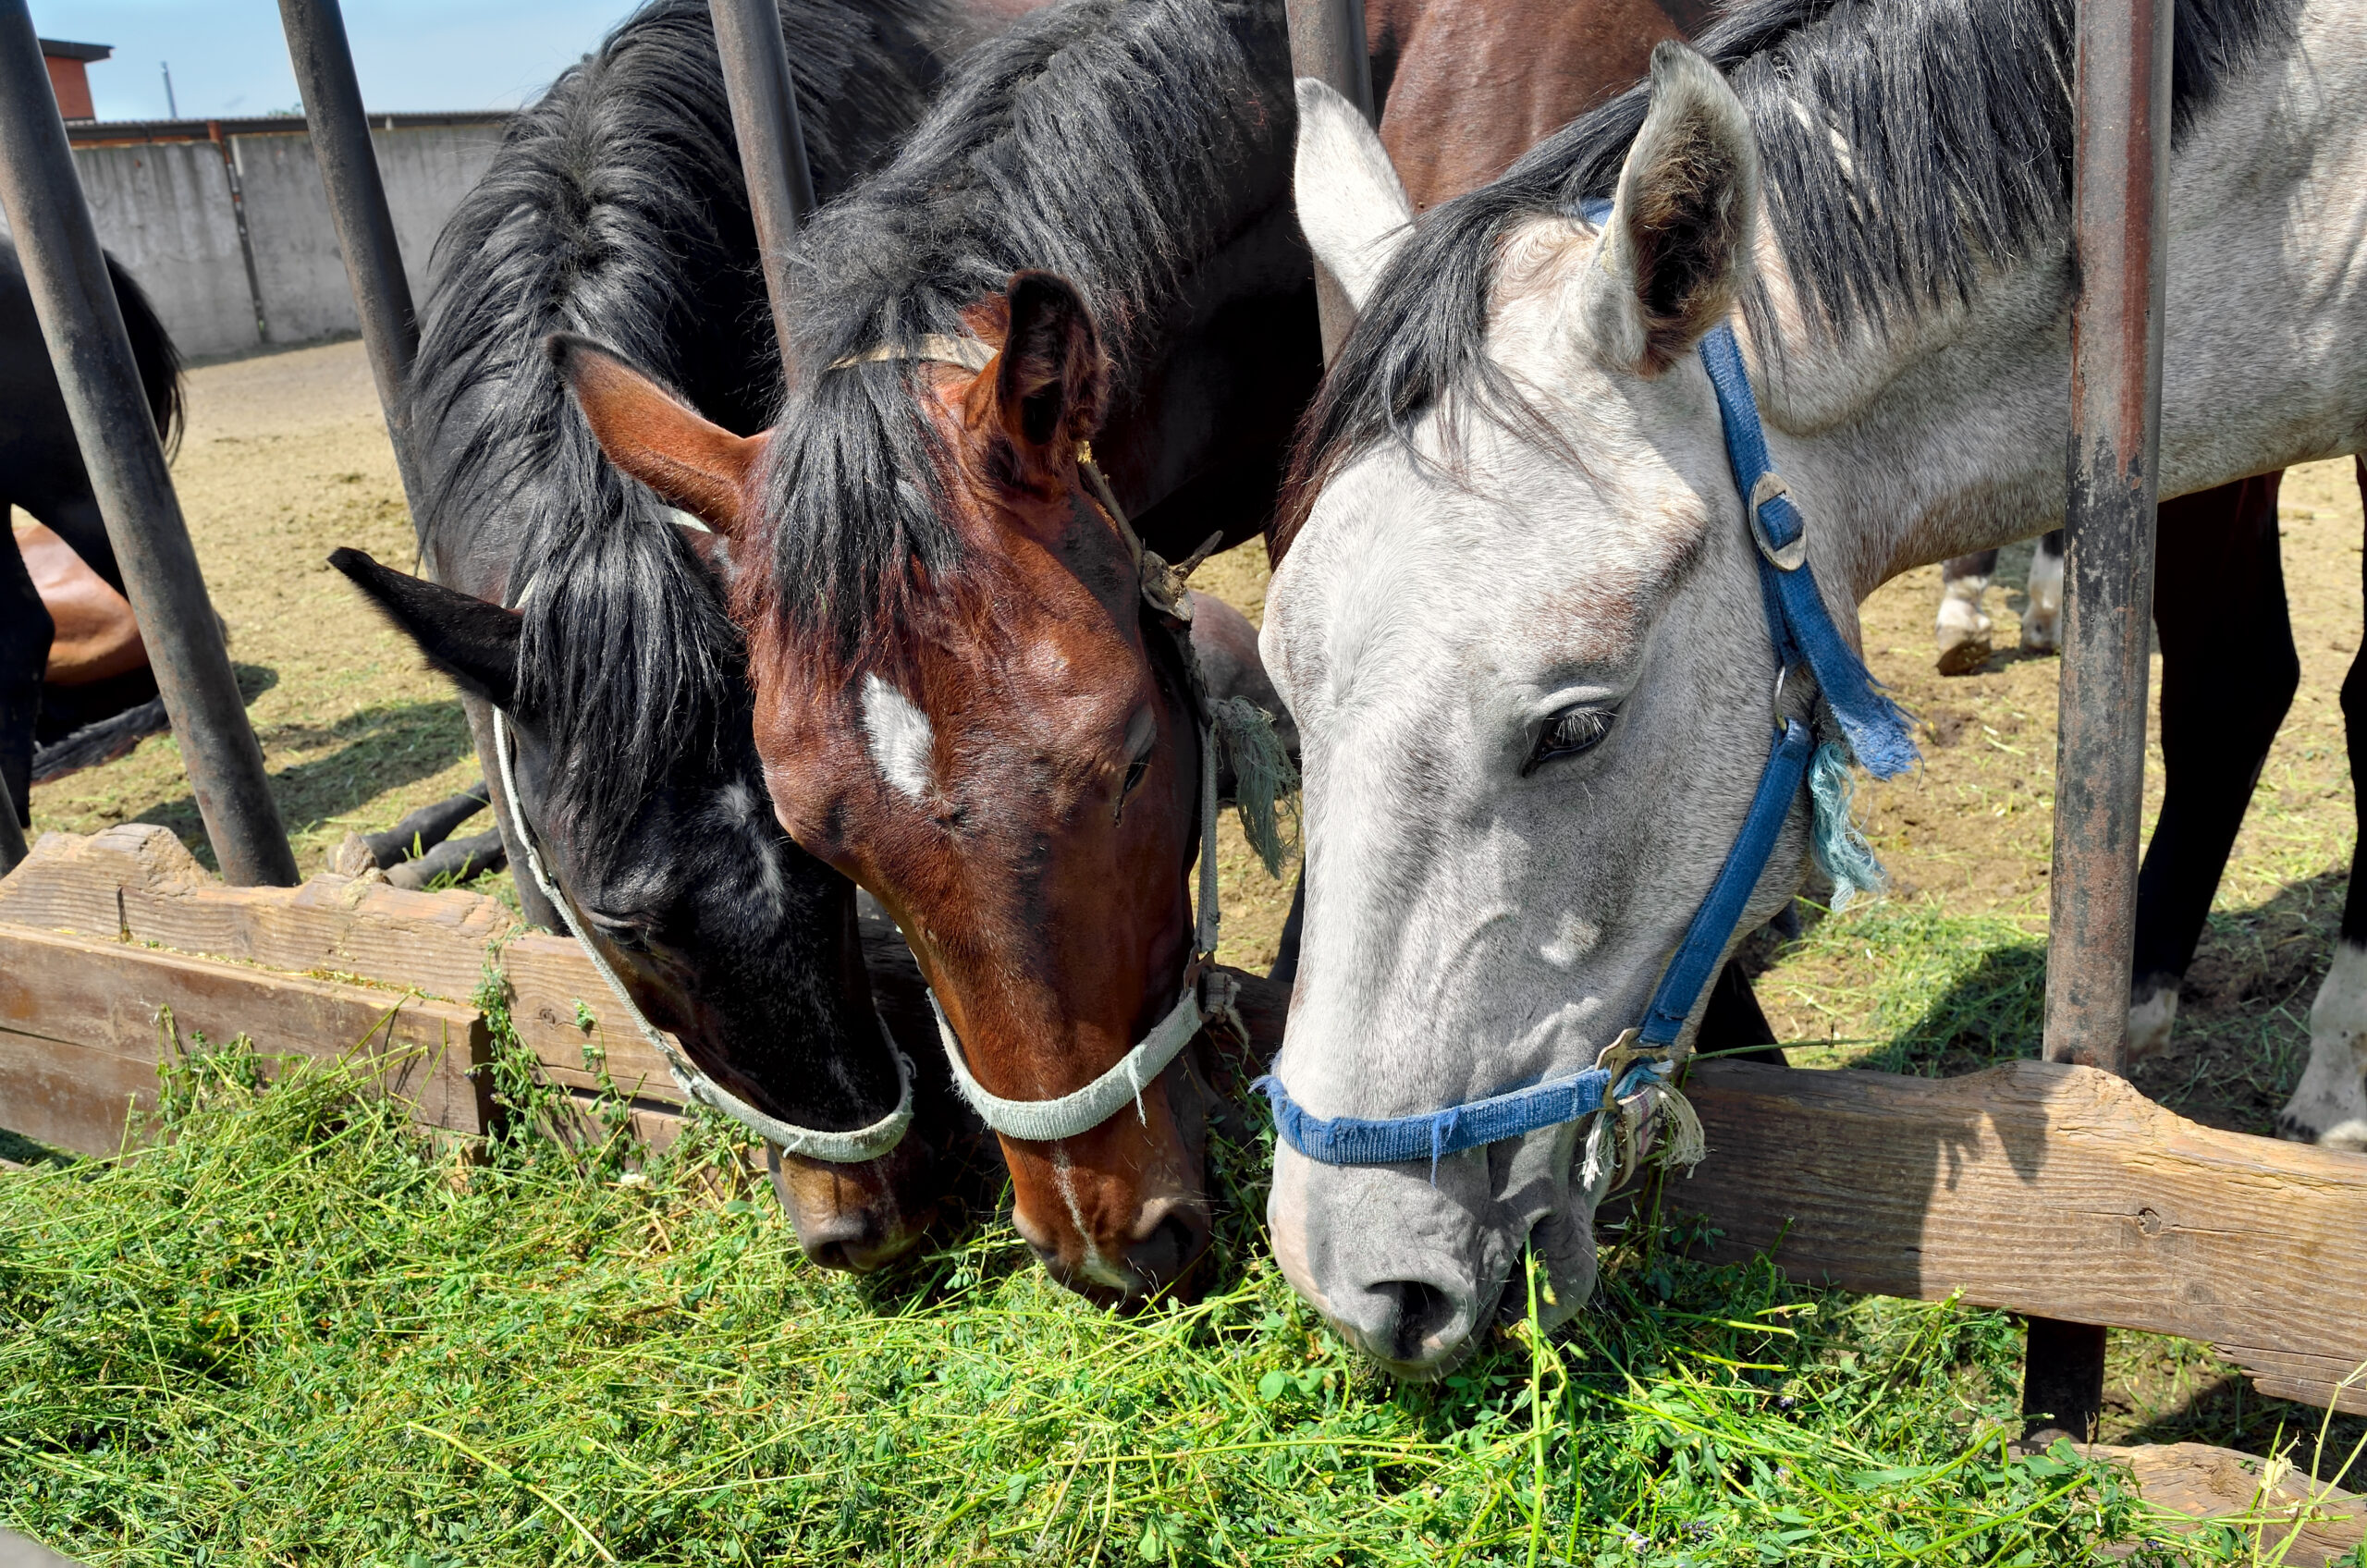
x=229, y=59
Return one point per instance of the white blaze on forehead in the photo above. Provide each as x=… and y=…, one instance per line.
x=898, y=737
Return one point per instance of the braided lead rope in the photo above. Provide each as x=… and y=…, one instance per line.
x=832, y=1148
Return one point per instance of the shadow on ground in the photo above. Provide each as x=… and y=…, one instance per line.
x=1962, y=994
x=374, y=750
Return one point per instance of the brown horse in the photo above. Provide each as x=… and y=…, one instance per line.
x=1465, y=88
x=967, y=701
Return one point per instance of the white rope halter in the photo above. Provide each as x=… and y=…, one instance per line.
x=1209, y=994
x=833, y=1148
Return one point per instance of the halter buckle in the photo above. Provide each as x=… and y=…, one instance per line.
x=1782, y=557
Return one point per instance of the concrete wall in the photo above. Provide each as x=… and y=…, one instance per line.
x=165, y=209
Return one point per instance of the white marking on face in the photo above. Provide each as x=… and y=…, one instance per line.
x=898, y=737
x=1094, y=1267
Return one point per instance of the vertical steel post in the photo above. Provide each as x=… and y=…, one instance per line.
x=1328, y=44
x=366, y=230
x=2121, y=174
x=83, y=326
x=772, y=144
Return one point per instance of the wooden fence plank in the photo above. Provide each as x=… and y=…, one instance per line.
x=138, y=878
x=2046, y=1189
x=83, y=1024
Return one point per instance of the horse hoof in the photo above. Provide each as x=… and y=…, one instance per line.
x=2041, y=640
x=1964, y=657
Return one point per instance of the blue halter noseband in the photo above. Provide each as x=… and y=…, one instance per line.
x=1877, y=732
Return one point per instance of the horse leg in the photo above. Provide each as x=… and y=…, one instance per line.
x=1734, y=1021
x=2329, y=1105
x=25, y=633
x=2042, y=600
x=2228, y=673
x=1964, y=630
x=1286, y=959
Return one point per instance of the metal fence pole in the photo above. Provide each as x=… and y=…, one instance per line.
x=366, y=230
x=772, y=144
x=2122, y=145
x=1328, y=44
x=83, y=326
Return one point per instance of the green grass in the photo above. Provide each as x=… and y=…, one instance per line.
x=298, y=1329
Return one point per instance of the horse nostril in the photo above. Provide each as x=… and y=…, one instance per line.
x=1419, y=1311
x=1170, y=1248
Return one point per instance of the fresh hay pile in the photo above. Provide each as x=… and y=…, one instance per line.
x=299, y=1331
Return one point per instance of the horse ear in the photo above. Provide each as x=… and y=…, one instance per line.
x=1049, y=379
x=1351, y=203
x=1670, y=265
x=655, y=438
x=472, y=642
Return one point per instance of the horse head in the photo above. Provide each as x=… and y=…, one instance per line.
x=963, y=704
x=1525, y=649
x=719, y=929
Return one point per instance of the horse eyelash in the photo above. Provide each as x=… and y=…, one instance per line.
x=1598, y=722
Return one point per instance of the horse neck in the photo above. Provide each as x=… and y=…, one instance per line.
x=1948, y=435
x=1202, y=423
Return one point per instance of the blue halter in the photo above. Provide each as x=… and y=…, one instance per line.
x=1877, y=732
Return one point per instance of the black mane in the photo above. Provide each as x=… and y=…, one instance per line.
x=615, y=208
x=1958, y=117
x=1095, y=140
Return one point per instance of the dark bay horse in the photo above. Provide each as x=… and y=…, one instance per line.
x=570, y=599
x=42, y=471
x=962, y=701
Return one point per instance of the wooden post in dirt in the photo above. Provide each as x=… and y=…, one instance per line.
x=1328, y=44
x=2121, y=170
x=67, y=274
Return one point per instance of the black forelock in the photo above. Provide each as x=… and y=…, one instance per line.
x=1957, y=118
x=1101, y=140
x=615, y=208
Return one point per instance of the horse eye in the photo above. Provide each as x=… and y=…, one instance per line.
x=1134, y=771
x=624, y=931
x=1569, y=733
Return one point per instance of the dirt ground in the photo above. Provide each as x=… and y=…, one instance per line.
x=1970, y=835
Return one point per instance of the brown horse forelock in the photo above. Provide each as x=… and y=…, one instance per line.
x=1046, y=902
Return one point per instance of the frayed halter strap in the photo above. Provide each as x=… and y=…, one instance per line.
x=1207, y=995
x=811, y=1143
x=1804, y=637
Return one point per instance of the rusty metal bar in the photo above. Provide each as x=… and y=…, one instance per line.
x=1328, y=44
x=772, y=144
x=2121, y=172
x=83, y=326
x=365, y=229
